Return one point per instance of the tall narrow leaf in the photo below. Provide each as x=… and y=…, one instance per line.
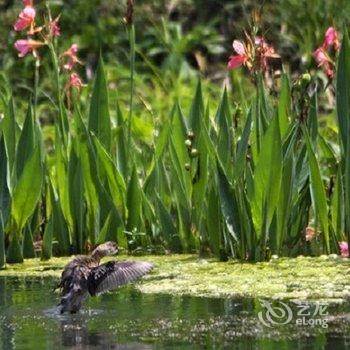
x=99, y=119
x=318, y=192
x=2, y=244
x=27, y=191
x=284, y=105
x=26, y=143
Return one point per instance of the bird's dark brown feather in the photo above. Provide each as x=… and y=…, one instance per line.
x=115, y=274
x=84, y=275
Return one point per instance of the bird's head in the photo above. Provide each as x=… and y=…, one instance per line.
x=105, y=249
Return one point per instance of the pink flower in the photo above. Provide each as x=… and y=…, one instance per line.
x=25, y=46
x=54, y=27
x=75, y=81
x=265, y=52
x=25, y=19
x=241, y=57
x=322, y=59
x=310, y=233
x=344, y=249
x=331, y=39
x=71, y=53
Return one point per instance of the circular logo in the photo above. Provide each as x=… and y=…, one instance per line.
x=279, y=314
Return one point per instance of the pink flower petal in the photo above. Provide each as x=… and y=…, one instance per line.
x=25, y=46
x=54, y=27
x=25, y=18
x=238, y=46
x=72, y=58
x=331, y=38
x=320, y=56
x=236, y=61
x=22, y=47
x=75, y=81
x=344, y=249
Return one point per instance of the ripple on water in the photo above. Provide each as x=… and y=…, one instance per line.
x=130, y=320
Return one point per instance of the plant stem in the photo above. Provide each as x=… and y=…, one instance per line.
x=36, y=82
x=63, y=123
x=132, y=71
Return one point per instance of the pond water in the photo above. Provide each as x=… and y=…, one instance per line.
x=128, y=319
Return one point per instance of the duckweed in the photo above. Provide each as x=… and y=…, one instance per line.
x=301, y=278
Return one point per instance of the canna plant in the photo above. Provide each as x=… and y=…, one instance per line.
x=244, y=183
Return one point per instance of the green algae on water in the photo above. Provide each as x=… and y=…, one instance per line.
x=302, y=278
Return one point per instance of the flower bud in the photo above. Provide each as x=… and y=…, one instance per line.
x=190, y=135
x=306, y=77
x=194, y=153
x=188, y=143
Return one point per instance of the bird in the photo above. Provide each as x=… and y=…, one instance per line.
x=84, y=276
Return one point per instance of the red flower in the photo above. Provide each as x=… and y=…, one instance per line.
x=254, y=54
x=237, y=60
x=25, y=46
x=25, y=19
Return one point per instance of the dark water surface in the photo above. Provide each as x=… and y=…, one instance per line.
x=128, y=319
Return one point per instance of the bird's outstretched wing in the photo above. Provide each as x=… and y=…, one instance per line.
x=115, y=274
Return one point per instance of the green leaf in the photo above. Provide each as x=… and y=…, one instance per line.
x=343, y=112
x=197, y=110
x=169, y=230
x=313, y=119
x=337, y=207
x=77, y=203
x=284, y=105
x=122, y=163
x=318, y=191
x=60, y=226
x=133, y=202
x=102, y=237
x=14, y=253
x=46, y=252
x=27, y=191
x=26, y=143
x=99, y=119
x=228, y=204
x=225, y=137
x=284, y=206
x=115, y=180
x=61, y=179
x=2, y=244
x=9, y=132
x=343, y=91
x=4, y=191
x=28, y=246
x=242, y=148
x=214, y=222
x=267, y=176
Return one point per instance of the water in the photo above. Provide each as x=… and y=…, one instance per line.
x=128, y=319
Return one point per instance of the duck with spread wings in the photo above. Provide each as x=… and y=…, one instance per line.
x=84, y=276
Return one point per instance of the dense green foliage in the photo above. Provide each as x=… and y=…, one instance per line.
x=157, y=164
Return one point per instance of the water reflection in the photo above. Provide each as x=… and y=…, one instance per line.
x=130, y=320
